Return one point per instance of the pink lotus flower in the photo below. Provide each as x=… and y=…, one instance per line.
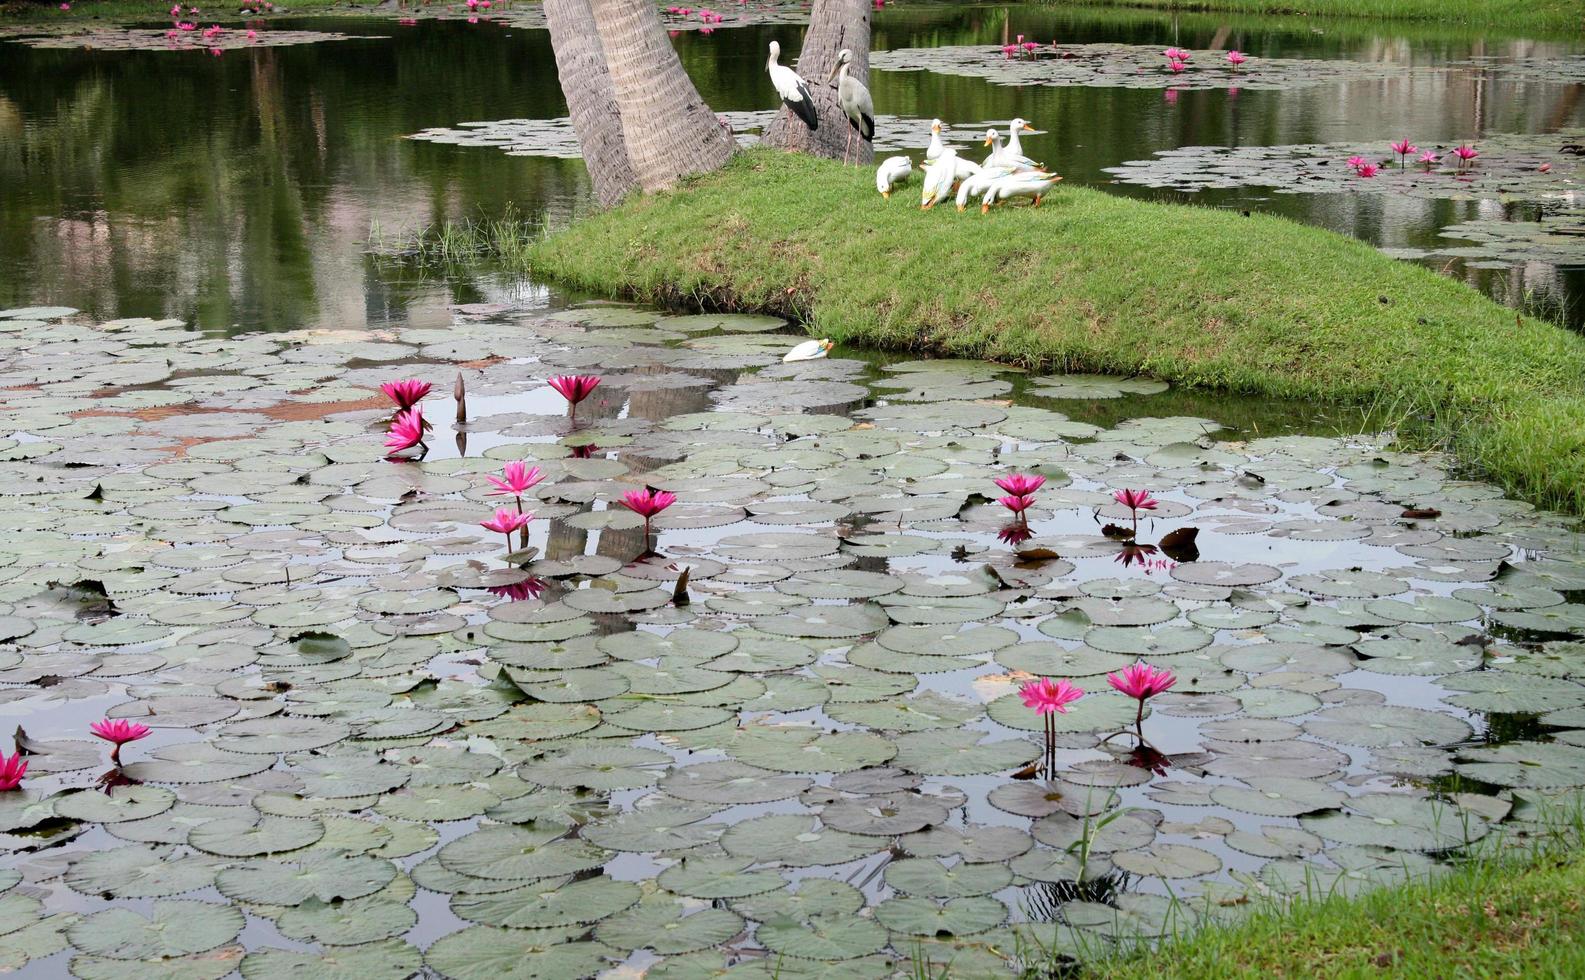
x=1021, y=484
x=215, y=52
x=407, y=431
x=119, y=732
x=1465, y=154
x=1017, y=504
x=1020, y=39
x=1142, y=681
x=176, y=11
x=575, y=388
x=518, y=477
x=1403, y=148
x=1176, y=66
x=66, y=6
x=1428, y=158
x=406, y=393
x=1176, y=54
x=1008, y=50
x=1236, y=58
x=12, y=770
x=647, y=503
x=1368, y=170
x=1545, y=168
x=505, y=522
x=1046, y=695
x=253, y=35
x=1356, y=162
x=1135, y=501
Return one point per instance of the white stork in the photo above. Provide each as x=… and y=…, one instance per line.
x=794, y=91
x=856, y=104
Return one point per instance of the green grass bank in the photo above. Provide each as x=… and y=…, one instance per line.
x=1538, y=14
x=1096, y=282
x=1487, y=919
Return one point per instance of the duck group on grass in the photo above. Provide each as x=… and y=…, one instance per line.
x=1004, y=175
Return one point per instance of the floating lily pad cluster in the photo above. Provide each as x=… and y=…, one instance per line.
x=790, y=742
x=557, y=138
x=1114, y=65
x=1557, y=237
x=162, y=39
x=1511, y=167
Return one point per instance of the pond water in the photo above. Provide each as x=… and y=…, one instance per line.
x=379, y=741
x=237, y=192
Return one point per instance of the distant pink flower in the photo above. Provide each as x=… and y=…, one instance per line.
x=1403, y=148
x=1142, y=681
x=1020, y=39
x=1176, y=54
x=215, y=52
x=406, y=393
x=407, y=431
x=1008, y=50
x=1545, y=168
x=1177, y=66
x=646, y=503
x=1428, y=158
x=176, y=11
x=515, y=479
x=1021, y=484
x=253, y=35
x=1046, y=695
x=66, y=6
x=1236, y=58
x=1017, y=503
x=575, y=388
x=506, y=522
x=12, y=770
x=1356, y=162
x=1368, y=170
x=1465, y=154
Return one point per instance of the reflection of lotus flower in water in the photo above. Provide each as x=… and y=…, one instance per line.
x=1021, y=484
x=1236, y=58
x=646, y=503
x=12, y=770
x=1015, y=534
x=406, y=393
x=120, y=732
x=505, y=522
x=809, y=350
x=519, y=591
x=407, y=431
x=575, y=388
x=585, y=451
x=1017, y=504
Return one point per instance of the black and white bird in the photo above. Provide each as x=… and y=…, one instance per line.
x=794, y=91
x=855, y=101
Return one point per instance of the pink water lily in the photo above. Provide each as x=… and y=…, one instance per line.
x=646, y=503
x=1177, y=66
x=1021, y=484
x=406, y=393
x=1136, y=501
x=1142, y=682
x=407, y=431
x=506, y=522
x=1429, y=157
x=1368, y=170
x=1048, y=699
x=1403, y=148
x=118, y=731
x=1356, y=161
x=1176, y=54
x=575, y=388
x=1465, y=155
x=516, y=477
x=1236, y=58
x=12, y=769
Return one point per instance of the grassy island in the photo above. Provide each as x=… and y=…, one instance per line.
x=1095, y=282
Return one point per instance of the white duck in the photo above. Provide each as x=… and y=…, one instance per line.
x=1029, y=183
x=794, y=91
x=891, y=172
x=936, y=146
x=1002, y=157
x=809, y=350
x=1014, y=145
x=947, y=170
x=977, y=184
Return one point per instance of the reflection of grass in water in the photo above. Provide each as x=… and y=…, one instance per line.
x=504, y=240
x=1511, y=14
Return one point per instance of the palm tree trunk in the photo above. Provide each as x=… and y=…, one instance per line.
x=833, y=25
x=669, y=130
x=591, y=100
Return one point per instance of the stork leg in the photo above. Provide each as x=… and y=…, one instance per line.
x=846, y=146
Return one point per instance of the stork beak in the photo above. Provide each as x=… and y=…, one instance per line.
x=1028, y=128
x=834, y=69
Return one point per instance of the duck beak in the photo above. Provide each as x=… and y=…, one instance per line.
x=987, y=141
x=887, y=195
x=1028, y=128
x=984, y=208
